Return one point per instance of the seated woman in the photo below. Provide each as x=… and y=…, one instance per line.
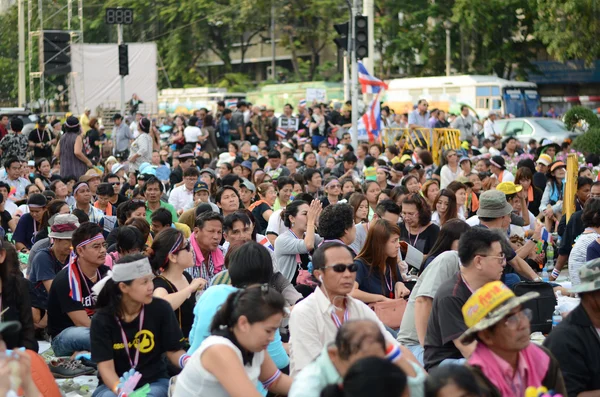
x=263, y=208
x=248, y=265
x=233, y=358
x=378, y=276
x=447, y=240
x=127, y=312
x=30, y=224
x=129, y=241
x=15, y=303
x=24, y=208
x=332, y=191
x=293, y=247
x=170, y=257
x=445, y=208
x=417, y=229
x=359, y=203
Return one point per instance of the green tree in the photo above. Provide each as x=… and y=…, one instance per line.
x=569, y=28
x=8, y=58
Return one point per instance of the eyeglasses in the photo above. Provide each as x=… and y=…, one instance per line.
x=501, y=258
x=452, y=155
x=187, y=247
x=512, y=322
x=409, y=214
x=334, y=186
x=340, y=268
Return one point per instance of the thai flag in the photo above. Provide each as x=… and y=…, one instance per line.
x=281, y=133
x=371, y=120
x=369, y=84
x=267, y=244
x=302, y=140
x=306, y=122
x=302, y=102
x=74, y=281
x=546, y=236
x=231, y=103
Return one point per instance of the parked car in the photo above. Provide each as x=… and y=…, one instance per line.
x=538, y=128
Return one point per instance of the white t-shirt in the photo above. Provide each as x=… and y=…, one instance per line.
x=194, y=380
x=192, y=133
x=276, y=225
x=134, y=129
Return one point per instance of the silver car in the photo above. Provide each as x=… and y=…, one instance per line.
x=538, y=128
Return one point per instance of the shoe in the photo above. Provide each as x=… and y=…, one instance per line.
x=63, y=369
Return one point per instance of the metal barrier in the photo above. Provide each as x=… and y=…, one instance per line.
x=435, y=140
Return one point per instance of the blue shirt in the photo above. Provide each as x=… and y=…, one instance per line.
x=25, y=231
x=369, y=280
x=415, y=117
x=44, y=267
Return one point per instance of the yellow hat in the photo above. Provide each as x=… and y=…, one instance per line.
x=405, y=157
x=509, y=188
x=465, y=145
x=488, y=305
x=544, y=159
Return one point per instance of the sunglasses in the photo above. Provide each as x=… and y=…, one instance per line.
x=187, y=247
x=340, y=268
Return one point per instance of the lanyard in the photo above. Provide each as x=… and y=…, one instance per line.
x=133, y=363
x=414, y=244
x=298, y=259
x=336, y=320
x=41, y=138
x=85, y=279
x=390, y=285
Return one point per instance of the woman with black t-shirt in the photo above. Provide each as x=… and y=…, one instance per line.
x=171, y=255
x=132, y=330
x=417, y=229
x=42, y=178
x=263, y=208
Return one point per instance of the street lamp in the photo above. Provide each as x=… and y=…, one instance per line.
x=447, y=26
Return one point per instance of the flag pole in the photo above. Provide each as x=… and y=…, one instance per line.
x=354, y=80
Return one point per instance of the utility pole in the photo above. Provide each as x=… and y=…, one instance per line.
x=21, y=28
x=369, y=12
x=447, y=26
x=354, y=81
x=273, y=49
x=120, y=41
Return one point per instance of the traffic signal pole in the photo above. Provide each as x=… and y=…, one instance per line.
x=120, y=41
x=354, y=77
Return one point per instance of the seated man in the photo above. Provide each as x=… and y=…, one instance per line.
x=574, y=342
x=482, y=261
x=356, y=339
x=30, y=223
x=48, y=262
x=162, y=219
x=71, y=303
x=208, y=257
x=505, y=362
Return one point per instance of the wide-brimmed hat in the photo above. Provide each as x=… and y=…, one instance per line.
x=147, y=168
x=499, y=162
x=545, y=144
x=488, y=305
x=589, y=276
x=249, y=185
x=63, y=226
x=117, y=167
x=89, y=175
x=509, y=188
x=493, y=204
x=247, y=164
x=208, y=171
x=556, y=165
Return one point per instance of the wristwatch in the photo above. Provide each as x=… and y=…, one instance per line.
x=538, y=279
x=534, y=240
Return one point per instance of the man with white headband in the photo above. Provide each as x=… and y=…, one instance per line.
x=83, y=201
x=131, y=332
x=71, y=303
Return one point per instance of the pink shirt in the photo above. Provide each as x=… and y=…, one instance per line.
x=517, y=380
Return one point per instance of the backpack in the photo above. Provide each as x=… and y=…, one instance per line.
x=541, y=307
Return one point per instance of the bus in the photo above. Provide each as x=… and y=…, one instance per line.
x=186, y=100
x=483, y=94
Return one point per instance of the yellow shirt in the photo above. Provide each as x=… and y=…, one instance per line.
x=85, y=123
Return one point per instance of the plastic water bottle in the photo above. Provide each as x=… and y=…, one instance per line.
x=549, y=257
x=545, y=275
x=556, y=317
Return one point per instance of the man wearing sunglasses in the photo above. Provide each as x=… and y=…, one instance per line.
x=314, y=322
x=505, y=361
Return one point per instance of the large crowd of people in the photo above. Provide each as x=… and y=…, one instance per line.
x=249, y=255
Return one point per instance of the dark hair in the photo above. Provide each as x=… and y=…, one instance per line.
x=408, y=178
x=256, y=303
x=591, y=213
x=233, y=218
x=291, y=210
x=387, y=206
x=476, y=241
x=203, y=207
x=355, y=200
x=370, y=376
x=452, y=211
x=109, y=299
x=350, y=340
x=349, y=157
x=226, y=111
x=369, y=161
x=145, y=125
x=230, y=179
x=52, y=209
x=109, y=176
x=85, y=231
x=223, y=189
x=583, y=181
x=152, y=181
x=335, y=220
x=523, y=173
x=310, y=172
x=162, y=216
x=162, y=245
x=129, y=238
x=206, y=217
x=191, y=171
x=373, y=251
x=39, y=162
x=105, y=189
x=453, y=374
x=455, y=186
x=125, y=209
x=9, y=161
x=398, y=191
x=273, y=154
x=82, y=217
x=422, y=207
x=450, y=232
x=142, y=225
x=284, y=180
x=250, y=264
x=426, y=157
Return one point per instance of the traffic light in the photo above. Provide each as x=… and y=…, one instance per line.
x=123, y=60
x=361, y=36
x=57, y=52
x=342, y=30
